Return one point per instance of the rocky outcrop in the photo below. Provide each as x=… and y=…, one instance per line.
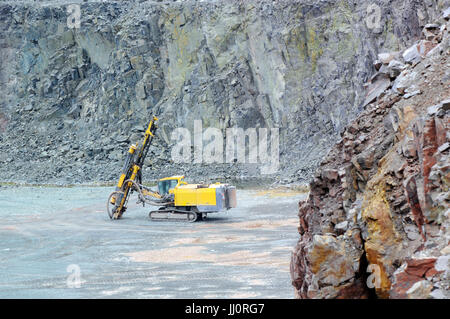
x=376, y=222
x=71, y=99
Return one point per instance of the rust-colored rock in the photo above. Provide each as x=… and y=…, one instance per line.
x=412, y=272
x=429, y=147
x=414, y=204
x=419, y=267
x=379, y=199
x=357, y=290
x=402, y=283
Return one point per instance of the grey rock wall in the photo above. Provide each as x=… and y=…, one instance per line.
x=71, y=100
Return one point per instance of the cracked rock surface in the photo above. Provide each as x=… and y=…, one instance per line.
x=380, y=200
x=72, y=99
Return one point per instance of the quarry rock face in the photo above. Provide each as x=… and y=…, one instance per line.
x=391, y=192
x=72, y=98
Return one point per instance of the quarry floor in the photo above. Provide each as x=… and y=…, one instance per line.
x=58, y=242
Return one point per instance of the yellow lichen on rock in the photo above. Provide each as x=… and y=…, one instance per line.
x=382, y=242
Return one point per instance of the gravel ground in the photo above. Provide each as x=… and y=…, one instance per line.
x=49, y=235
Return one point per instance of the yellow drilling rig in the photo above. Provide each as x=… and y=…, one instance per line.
x=177, y=200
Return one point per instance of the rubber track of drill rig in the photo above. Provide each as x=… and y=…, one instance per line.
x=174, y=214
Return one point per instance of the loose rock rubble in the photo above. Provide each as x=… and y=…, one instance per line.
x=378, y=214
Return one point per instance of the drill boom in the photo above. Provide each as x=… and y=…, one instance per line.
x=131, y=171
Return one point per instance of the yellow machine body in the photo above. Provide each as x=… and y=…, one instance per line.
x=191, y=195
x=204, y=197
